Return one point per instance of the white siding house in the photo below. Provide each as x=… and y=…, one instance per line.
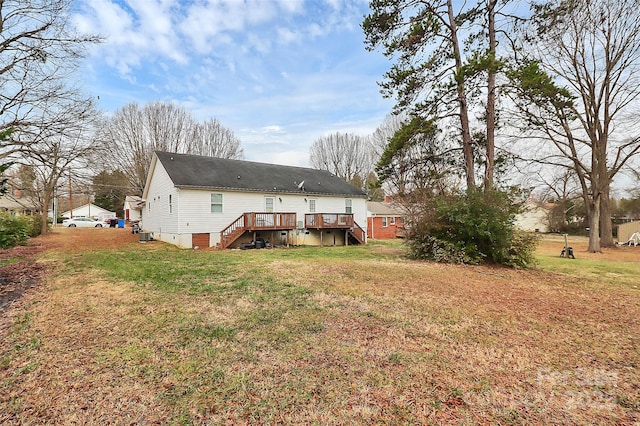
x=201, y=201
x=534, y=218
x=133, y=208
x=89, y=210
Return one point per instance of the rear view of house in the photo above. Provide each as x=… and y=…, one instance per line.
x=192, y=200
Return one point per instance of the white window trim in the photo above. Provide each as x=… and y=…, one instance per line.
x=221, y=202
x=273, y=204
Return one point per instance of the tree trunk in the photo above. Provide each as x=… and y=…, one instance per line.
x=44, y=213
x=606, y=228
x=594, y=224
x=491, y=100
x=467, y=146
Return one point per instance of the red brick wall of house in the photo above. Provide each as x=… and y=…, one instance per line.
x=376, y=231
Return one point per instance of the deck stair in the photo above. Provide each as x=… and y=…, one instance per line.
x=357, y=234
x=255, y=221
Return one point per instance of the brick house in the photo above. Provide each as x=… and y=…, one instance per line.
x=384, y=220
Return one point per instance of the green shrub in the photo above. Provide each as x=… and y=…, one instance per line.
x=431, y=248
x=472, y=228
x=35, y=225
x=14, y=230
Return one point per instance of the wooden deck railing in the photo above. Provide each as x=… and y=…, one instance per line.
x=328, y=220
x=260, y=221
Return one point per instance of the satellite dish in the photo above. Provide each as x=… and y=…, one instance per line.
x=301, y=185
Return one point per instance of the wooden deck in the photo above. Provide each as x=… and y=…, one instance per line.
x=258, y=221
x=321, y=221
x=255, y=221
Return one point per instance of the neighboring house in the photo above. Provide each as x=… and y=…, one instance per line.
x=626, y=230
x=384, y=220
x=534, y=218
x=89, y=210
x=193, y=200
x=133, y=206
x=17, y=205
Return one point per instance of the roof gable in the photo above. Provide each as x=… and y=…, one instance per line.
x=90, y=207
x=195, y=171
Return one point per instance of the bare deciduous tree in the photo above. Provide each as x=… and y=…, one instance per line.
x=134, y=133
x=579, y=86
x=346, y=155
x=39, y=54
x=51, y=151
x=214, y=140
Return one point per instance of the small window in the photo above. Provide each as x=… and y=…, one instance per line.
x=170, y=203
x=216, y=203
x=384, y=222
x=347, y=206
x=392, y=220
x=312, y=206
x=268, y=204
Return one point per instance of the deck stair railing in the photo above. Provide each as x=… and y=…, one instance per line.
x=358, y=233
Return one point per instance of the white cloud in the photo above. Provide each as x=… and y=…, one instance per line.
x=205, y=22
x=273, y=130
x=249, y=63
x=135, y=31
x=287, y=36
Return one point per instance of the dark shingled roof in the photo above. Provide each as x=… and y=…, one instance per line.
x=195, y=171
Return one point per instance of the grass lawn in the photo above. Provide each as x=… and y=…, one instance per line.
x=127, y=333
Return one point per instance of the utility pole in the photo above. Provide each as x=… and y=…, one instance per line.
x=70, y=198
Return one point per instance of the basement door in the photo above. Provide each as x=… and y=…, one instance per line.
x=200, y=240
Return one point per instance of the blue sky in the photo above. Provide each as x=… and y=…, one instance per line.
x=278, y=73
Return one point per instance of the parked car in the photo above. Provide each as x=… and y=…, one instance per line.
x=83, y=222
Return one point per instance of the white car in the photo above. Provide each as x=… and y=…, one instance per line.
x=83, y=222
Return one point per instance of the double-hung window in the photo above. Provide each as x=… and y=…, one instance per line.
x=216, y=203
x=384, y=222
x=269, y=203
x=170, y=203
x=347, y=206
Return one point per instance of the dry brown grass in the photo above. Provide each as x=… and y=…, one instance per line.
x=372, y=339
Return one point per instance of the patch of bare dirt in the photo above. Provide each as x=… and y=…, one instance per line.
x=22, y=270
x=19, y=275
